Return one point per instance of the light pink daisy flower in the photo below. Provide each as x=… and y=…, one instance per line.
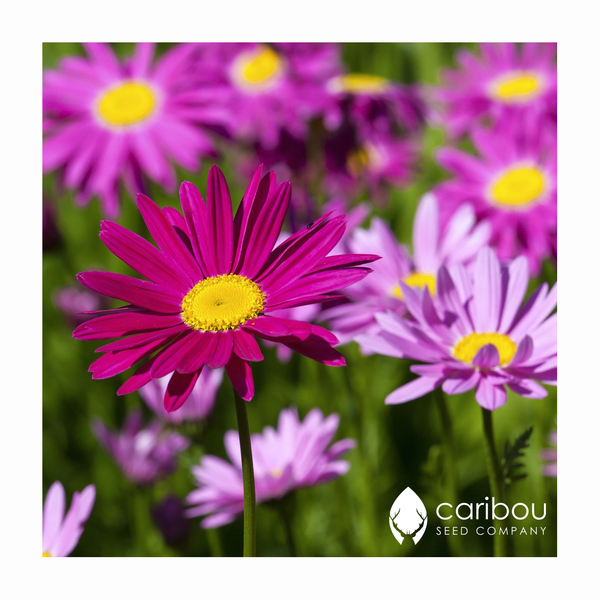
x=434, y=246
x=503, y=79
x=511, y=183
x=295, y=455
x=477, y=334
x=108, y=121
x=60, y=532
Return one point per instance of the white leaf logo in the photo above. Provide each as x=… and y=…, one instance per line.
x=408, y=517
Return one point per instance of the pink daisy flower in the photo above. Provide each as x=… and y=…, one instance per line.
x=144, y=454
x=212, y=286
x=504, y=79
x=269, y=87
x=60, y=532
x=199, y=404
x=476, y=335
x=434, y=246
x=108, y=121
x=295, y=455
x=511, y=183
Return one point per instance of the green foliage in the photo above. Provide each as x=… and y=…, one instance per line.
x=513, y=454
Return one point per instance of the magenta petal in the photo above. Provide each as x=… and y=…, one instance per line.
x=139, y=379
x=240, y=374
x=165, y=235
x=168, y=360
x=178, y=390
x=198, y=353
x=318, y=347
x=246, y=347
x=487, y=357
x=219, y=220
x=143, y=257
x=144, y=294
x=124, y=323
x=194, y=210
x=222, y=350
x=274, y=327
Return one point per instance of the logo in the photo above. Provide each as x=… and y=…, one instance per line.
x=408, y=517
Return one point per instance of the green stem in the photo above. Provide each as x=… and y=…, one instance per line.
x=214, y=542
x=450, y=461
x=494, y=475
x=247, y=476
x=285, y=515
x=141, y=519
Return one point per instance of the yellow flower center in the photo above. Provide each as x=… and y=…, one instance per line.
x=357, y=83
x=417, y=280
x=467, y=348
x=46, y=554
x=127, y=104
x=518, y=186
x=517, y=87
x=258, y=68
x=357, y=161
x=222, y=303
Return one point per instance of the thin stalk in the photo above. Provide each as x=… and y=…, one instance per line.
x=247, y=476
x=494, y=475
x=450, y=461
x=284, y=513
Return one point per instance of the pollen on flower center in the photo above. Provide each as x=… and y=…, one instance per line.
x=222, y=303
x=467, y=347
x=517, y=87
x=127, y=104
x=258, y=68
x=518, y=186
x=417, y=280
x=46, y=554
x=356, y=83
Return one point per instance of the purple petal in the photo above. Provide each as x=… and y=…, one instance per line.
x=415, y=389
x=487, y=357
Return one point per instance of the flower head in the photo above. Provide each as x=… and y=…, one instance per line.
x=295, y=455
x=108, y=121
x=505, y=79
x=62, y=532
x=269, y=87
x=456, y=243
x=511, y=183
x=212, y=286
x=476, y=335
x=144, y=454
x=199, y=404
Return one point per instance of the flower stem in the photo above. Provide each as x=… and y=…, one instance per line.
x=494, y=475
x=286, y=518
x=450, y=461
x=248, y=477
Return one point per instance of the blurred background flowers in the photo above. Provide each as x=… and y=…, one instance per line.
x=433, y=151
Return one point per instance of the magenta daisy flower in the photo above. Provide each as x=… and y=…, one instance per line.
x=511, y=183
x=270, y=87
x=60, y=532
x=295, y=455
x=212, y=285
x=505, y=79
x=457, y=243
x=199, y=404
x=476, y=335
x=144, y=454
x=108, y=121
